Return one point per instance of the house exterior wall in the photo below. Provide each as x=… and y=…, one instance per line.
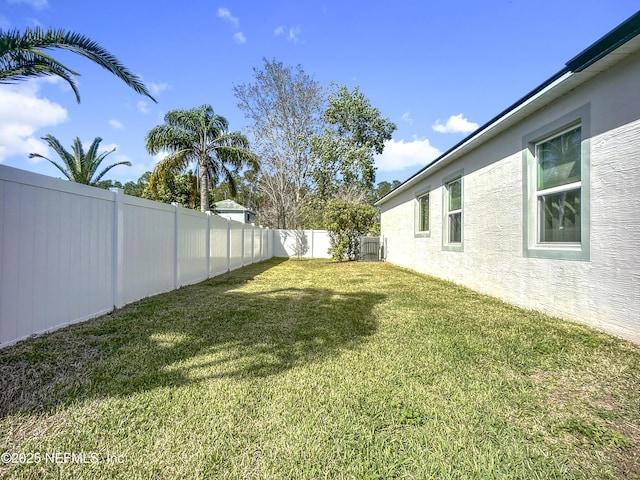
x=602, y=290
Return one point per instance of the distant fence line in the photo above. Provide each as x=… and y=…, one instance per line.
x=70, y=252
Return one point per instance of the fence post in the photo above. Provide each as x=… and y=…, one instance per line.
x=118, y=248
x=176, y=251
x=228, y=244
x=253, y=241
x=313, y=234
x=207, y=243
x=261, y=243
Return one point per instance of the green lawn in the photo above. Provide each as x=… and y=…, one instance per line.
x=312, y=369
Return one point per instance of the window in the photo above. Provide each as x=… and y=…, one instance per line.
x=422, y=213
x=559, y=186
x=454, y=211
x=556, y=188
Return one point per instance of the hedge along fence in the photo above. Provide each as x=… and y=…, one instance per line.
x=71, y=252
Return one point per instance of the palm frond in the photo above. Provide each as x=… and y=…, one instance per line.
x=21, y=57
x=56, y=164
x=79, y=166
x=99, y=177
x=200, y=136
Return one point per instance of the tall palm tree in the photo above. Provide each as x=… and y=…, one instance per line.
x=79, y=167
x=22, y=56
x=199, y=136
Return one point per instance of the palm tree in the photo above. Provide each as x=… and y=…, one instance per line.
x=199, y=136
x=22, y=56
x=80, y=167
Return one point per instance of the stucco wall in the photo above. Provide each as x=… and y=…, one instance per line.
x=603, y=291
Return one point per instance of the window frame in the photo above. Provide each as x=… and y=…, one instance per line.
x=542, y=193
x=447, y=213
x=419, y=195
x=533, y=246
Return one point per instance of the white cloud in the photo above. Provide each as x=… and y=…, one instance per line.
x=294, y=34
x=143, y=106
x=406, y=117
x=239, y=37
x=156, y=88
x=398, y=155
x=116, y=124
x=225, y=14
x=455, y=124
x=37, y=4
x=4, y=22
x=23, y=113
x=278, y=31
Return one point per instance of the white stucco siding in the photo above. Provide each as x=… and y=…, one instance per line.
x=603, y=291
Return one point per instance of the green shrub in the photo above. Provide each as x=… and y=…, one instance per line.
x=346, y=222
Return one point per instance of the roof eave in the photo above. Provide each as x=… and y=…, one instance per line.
x=581, y=64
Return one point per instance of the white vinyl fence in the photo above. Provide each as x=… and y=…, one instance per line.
x=70, y=252
x=301, y=243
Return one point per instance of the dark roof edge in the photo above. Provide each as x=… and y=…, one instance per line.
x=620, y=35
x=612, y=40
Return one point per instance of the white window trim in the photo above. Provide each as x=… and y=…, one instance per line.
x=418, y=213
x=446, y=182
x=532, y=247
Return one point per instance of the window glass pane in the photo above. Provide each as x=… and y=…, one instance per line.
x=455, y=195
x=559, y=160
x=455, y=227
x=560, y=217
x=424, y=214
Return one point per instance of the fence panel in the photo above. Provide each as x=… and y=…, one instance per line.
x=219, y=245
x=257, y=244
x=70, y=252
x=56, y=264
x=247, y=256
x=147, y=264
x=237, y=244
x=301, y=243
x=192, y=246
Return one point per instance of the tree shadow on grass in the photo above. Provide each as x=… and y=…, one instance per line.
x=226, y=327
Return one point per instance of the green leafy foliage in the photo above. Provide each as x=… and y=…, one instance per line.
x=346, y=222
x=199, y=136
x=80, y=166
x=175, y=188
x=23, y=56
x=344, y=154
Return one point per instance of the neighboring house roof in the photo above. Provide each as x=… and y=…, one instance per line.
x=230, y=205
x=617, y=44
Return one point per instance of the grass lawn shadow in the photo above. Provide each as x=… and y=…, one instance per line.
x=235, y=325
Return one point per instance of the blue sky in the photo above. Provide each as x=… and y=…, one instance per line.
x=437, y=69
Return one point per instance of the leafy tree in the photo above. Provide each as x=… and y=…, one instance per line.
x=285, y=105
x=383, y=188
x=176, y=187
x=199, y=136
x=136, y=189
x=23, y=56
x=79, y=166
x=107, y=184
x=247, y=190
x=346, y=222
x=344, y=153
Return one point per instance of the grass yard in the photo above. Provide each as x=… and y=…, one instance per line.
x=314, y=370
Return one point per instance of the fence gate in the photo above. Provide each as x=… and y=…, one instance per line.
x=370, y=249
